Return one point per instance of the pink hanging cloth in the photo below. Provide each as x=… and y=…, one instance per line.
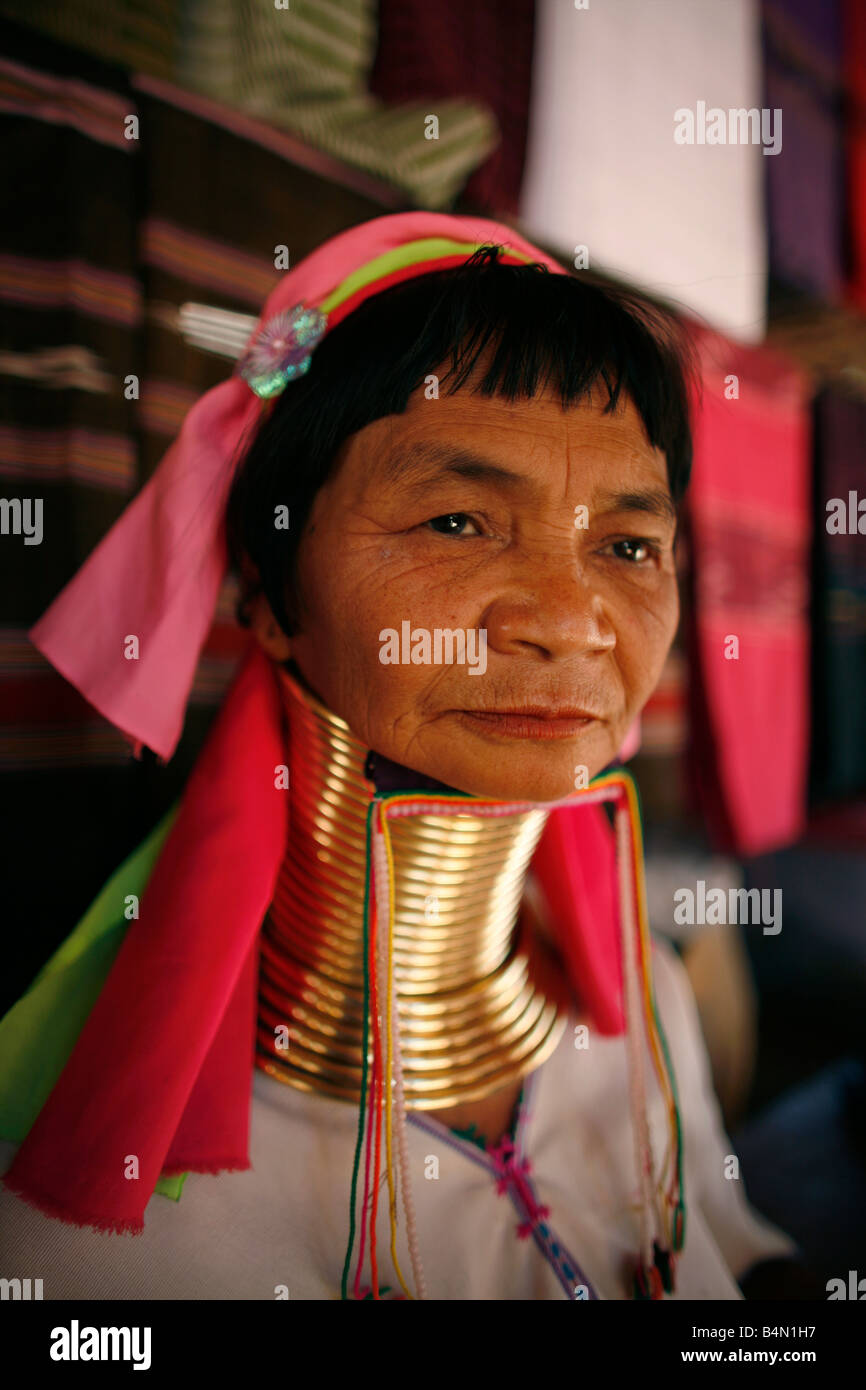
x=749, y=514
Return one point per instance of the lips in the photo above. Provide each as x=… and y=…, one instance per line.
x=531, y=721
x=539, y=712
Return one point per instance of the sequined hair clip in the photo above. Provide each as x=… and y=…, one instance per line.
x=282, y=350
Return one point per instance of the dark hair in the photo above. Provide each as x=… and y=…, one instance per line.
x=567, y=331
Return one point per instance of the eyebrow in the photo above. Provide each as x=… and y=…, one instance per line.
x=415, y=466
x=654, y=501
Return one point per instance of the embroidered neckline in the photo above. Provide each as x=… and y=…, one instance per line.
x=508, y=1163
x=472, y=1135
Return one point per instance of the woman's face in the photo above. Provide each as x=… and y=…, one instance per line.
x=460, y=515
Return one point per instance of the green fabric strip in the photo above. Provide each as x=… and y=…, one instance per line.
x=171, y=1186
x=39, y=1032
x=410, y=253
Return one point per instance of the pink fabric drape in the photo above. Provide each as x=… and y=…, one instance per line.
x=749, y=511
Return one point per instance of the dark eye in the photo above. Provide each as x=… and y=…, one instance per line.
x=451, y=524
x=635, y=550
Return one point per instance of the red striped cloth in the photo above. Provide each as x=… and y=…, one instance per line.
x=451, y=49
x=854, y=51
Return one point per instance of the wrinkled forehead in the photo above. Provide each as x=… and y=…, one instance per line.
x=491, y=440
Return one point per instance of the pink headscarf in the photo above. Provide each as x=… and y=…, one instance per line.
x=157, y=573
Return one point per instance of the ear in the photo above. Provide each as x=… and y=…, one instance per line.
x=267, y=630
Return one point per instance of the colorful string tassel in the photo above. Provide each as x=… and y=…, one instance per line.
x=663, y=1208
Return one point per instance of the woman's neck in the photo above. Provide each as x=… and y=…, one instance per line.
x=472, y=1012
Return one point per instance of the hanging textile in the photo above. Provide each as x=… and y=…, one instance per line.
x=126, y=33
x=129, y=279
x=839, y=654
x=854, y=49
x=305, y=69
x=749, y=514
x=605, y=171
x=302, y=67
x=72, y=316
x=802, y=45
x=483, y=51
x=73, y=313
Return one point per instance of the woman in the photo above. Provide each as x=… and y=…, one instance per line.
x=449, y=477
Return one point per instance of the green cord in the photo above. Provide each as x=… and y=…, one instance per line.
x=679, y=1228
x=378, y=798
x=679, y=1232
x=364, y=1045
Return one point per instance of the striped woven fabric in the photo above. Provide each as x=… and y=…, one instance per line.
x=72, y=316
x=803, y=77
x=137, y=36
x=305, y=68
x=302, y=66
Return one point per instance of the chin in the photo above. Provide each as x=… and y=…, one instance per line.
x=518, y=773
x=529, y=788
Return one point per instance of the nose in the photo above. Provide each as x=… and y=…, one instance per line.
x=552, y=609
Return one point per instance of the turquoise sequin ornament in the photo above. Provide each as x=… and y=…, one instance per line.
x=282, y=350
